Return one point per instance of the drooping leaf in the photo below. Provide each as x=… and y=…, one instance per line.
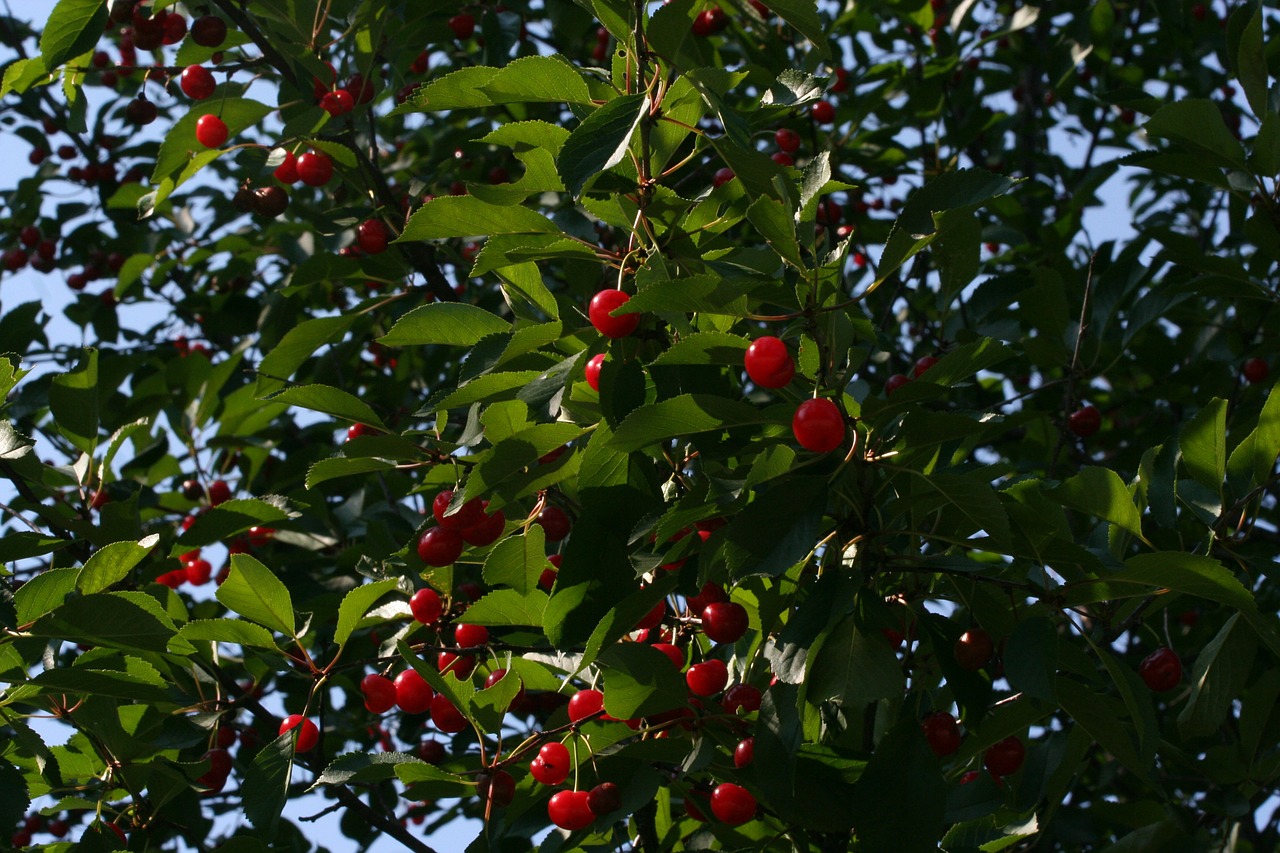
x=254, y=591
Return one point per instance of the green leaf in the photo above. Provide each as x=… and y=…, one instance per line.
x=426, y=780
x=468, y=216
x=112, y=563
x=776, y=224
x=507, y=607
x=1101, y=493
x=330, y=401
x=902, y=770
x=73, y=399
x=1203, y=443
x=44, y=593
x=687, y=414
x=640, y=681
x=1196, y=124
x=13, y=444
x=22, y=74
x=229, y=518
x=1251, y=65
x=600, y=141
x=708, y=294
x=361, y=768
x=234, y=631
x=447, y=323
x=254, y=591
x=1220, y=674
x=1099, y=716
x=266, y=785
x=80, y=681
x=853, y=669
x=1031, y=658
x=704, y=348
x=342, y=466
x=967, y=503
x=531, y=79
x=1253, y=458
x=518, y=561
x=298, y=344
x=73, y=28
x=777, y=529
x=22, y=545
x=803, y=15
x=1192, y=574
x=120, y=620
x=181, y=153
x=356, y=603
x=15, y=797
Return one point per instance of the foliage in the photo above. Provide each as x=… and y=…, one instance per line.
x=189, y=554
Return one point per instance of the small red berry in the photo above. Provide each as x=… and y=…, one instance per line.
x=787, y=140
x=372, y=236
x=570, y=810
x=604, y=799
x=744, y=753
x=724, y=621
x=818, y=425
x=1161, y=670
x=923, y=365
x=379, y=693
x=707, y=678
x=425, y=606
x=446, y=716
x=554, y=521
x=197, y=83
x=733, y=804
x=768, y=362
x=337, y=103
x=584, y=703
x=308, y=734
x=499, y=789
x=973, y=649
x=315, y=169
x=592, y=371
x=722, y=176
x=942, y=733
x=440, y=546
x=823, y=112
x=553, y=764
x=211, y=131
x=1005, y=757
x=600, y=313
x=208, y=31
x=1085, y=421
x=894, y=382
x=463, y=26
x=413, y=694
x=1256, y=370
x=219, y=492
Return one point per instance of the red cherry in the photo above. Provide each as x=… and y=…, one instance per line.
x=724, y=621
x=1084, y=421
x=372, y=236
x=446, y=716
x=219, y=492
x=211, y=131
x=818, y=425
x=973, y=649
x=15, y=259
x=744, y=753
x=413, y=694
x=208, y=31
x=175, y=28
x=555, y=522
x=468, y=636
x=673, y=653
x=592, y=371
x=922, y=365
x=570, y=810
x=457, y=664
x=463, y=26
x=1199, y=11
x=199, y=572
x=1161, y=670
x=315, y=169
x=894, y=382
x=379, y=693
x=1005, y=757
x=360, y=89
x=219, y=769
x=768, y=363
x=431, y=751
x=308, y=734
x=732, y=804
x=469, y=514
x=782, y=158
x=440, y=546
x=553, y=764
x=787, y=140
x=338, y=102
x=742, y=698
x=499, y=789
x=357, y=430
x=709, y=22
x=425, y=606
x=709, y=594
x=604, y=799
x=599, y=312
x=942, y=733
x=707, y=678
x=722, y=176
x=488, y=530
x=197, y=83
x=1256, y=370
x=29, y=236
x=841, y=83
x=287, y=171
x=823, y=112
x=584, y=703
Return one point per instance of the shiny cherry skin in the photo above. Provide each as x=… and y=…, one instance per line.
x=818, y=425
x=600, y=313
x=1161, y=670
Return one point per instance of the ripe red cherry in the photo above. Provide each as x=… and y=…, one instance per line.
x=488, y=530
x=413, y=694
x=584, y=703
x=1084, y=421
x=673, y=654
x=604, y=799
x=463, y=26
x=1199, y=11
x=197, y=82
x=440, y=547
x=446, y=716
x=425, y=606
x=338, y=102
x=823, y=112
x=372, y=236
x=744, y=753
x=287, y=171
x=768, y=363
x=732, y=804
x=818, y=425
x=724, y=621
x=499, y=789
x=467, y=636
x=555, y=522
x=709, y=22
x=922, y=365
x=1256, y=370
x=208, y=31
x=722, y=176
x=219, y=769
x=379, y=693
x=219, y=492
x=942, y=732
x=553, y=764
x=1161, y=670
x=707, y=678
x=308, y=734
x=457, y=664
x=973, y=649
x=570, y=810
x=782, y=158
x=1005, y=757
x=315, y=169
x=787, y=140
x=894, y=382
x=211, y=131
x=469, y=514
x=742, y=698
x=29, y=235
x=592, y=371
x=599, y=310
